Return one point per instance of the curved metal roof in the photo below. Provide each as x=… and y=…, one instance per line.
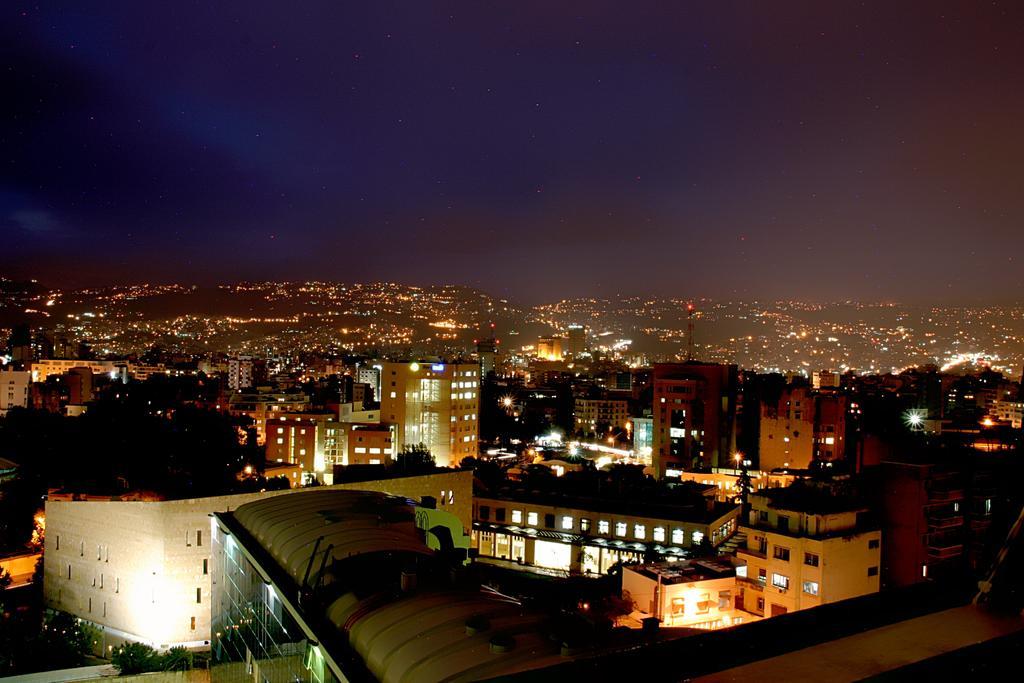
x=350, y=523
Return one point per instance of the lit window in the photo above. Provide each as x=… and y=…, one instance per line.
x=584, y=525
x=678, y=536
x=811, y=587
x=659, y=534
x=620, y=528
x=517, y=516
x=567, y=523
x=696, y=537
x=394, y=395
x=780, y=581
x=603, y=526
x=280, y=430
x=531, y=518
x=810, y=559
x=280, y=441
x=360, y=449
x=741, y=571
x=639, y=531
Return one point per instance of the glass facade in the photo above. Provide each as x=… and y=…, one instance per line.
x=255, y=639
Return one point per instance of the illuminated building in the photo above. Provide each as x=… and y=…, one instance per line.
x=691, y=594
x=1010, y=412
x=299, y=439
x=588, y=535
x=802, y=426
x=487, y=353
x=806, y=545
x=434, y=404
x=549, y=348
x=41, y=369
x=825, y=379
x=643, y=436
x=140, y=570
x=694, y=416
x=240, y=373
x=371, y=376
x=14, y=390
x=368, y=444
x=264, y=404
x=593, y=415
x=577, y=341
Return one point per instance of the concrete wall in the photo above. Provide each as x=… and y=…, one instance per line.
x=138, y=570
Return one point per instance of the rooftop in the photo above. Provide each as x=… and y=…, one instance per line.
x=685, y=572
x=811, y=498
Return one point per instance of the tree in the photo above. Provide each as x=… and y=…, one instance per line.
x=177, y=659
x=136, y=658
x=415, y=458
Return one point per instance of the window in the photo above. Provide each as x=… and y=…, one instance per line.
x=811, y=559
x=704, y=603
x=741, y=571
x=517, y=516
x=639, y=531
x=199, y=537
x=485, y=512
x=193, y=624
x=811, y=587
x=117, y=585
x=499, y=514
x=567, y=523
x=762, y=575
x=584, y=524
x=780, y=553
x=659, y=534
x=549, y=521
x=531, y=518
x=603, y=526
x=206, y=566
x=678, y=536
x=873, y=544
x=696, y=537
x=724, y=599
x=873, y=571
x=762, y=516
x=199, y=595
x=783, y=523
x=780, y=581
x=620, y=528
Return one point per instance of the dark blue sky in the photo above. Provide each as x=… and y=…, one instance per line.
x=813, y=150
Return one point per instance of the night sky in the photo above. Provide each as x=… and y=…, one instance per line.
x=821, y=151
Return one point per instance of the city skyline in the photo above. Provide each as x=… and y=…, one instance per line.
x=865, y=151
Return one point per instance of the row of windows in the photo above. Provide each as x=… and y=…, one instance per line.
x=639, y=531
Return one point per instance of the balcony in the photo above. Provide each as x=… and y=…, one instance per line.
x=944, y=550
x=752, y=553
x=950, y=520
x=945, y=492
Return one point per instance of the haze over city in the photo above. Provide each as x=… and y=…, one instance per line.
x=839, y=151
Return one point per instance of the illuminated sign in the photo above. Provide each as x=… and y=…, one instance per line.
x=437, y=367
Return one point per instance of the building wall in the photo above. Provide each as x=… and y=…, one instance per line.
x=593, y=414
x=679, y=603
x=14, y=390
x=436, y=404
x=787, y=431
x=136, y=566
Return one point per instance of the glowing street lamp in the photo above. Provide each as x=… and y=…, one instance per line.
x=914, y=419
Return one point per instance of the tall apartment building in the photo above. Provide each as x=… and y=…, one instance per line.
x=803, y=425
x=597, y=414
x=694, y=416
x=14, y=390
x=576, y=341
x=300, y=439
x=263, y=405
x=550, y=348
x=806, y=545
x=434, y=404
x=240, y=373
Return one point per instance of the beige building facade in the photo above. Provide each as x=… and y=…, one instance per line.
x=140, y=570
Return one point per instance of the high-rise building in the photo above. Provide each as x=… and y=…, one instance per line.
x=694, y=416
x=79, y=386
x=240, y=373
x=370, y=374
x=800, y=427
x=577, y=342
x=434, y=404
x=487, y=352
x=14, y=389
